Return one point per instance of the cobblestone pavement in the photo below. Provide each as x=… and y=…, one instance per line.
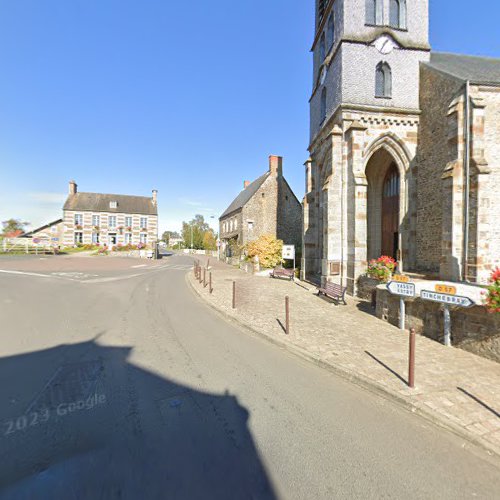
x=454, y=388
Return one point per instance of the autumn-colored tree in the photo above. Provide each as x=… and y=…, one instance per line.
x=268, y=249
x=209, y=240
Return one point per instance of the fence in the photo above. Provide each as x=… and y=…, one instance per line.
x=26, y=246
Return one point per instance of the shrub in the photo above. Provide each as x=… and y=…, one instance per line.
x=493, y=294
x=102, y=250
x=382, y=268
x=267, y=248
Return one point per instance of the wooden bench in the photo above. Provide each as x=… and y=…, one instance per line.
x=334, y=291
x=280, y=272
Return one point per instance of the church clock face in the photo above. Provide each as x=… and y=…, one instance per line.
x=385, y=44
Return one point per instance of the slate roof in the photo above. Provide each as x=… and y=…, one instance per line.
x=244, y=197
x=41, y=228
x=96, y=202
x=479, y=70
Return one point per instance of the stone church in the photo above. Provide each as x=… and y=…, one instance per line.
x=404, y=148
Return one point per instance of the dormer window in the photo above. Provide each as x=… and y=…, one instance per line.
x=113, y=204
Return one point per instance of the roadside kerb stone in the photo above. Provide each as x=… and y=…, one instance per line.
x=454, y=389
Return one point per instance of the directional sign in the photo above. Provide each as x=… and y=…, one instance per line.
x=446, y=289
x=402, y=289
x=401, y=278
x=443, y=298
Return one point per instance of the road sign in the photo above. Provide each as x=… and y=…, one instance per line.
x=401, y=289
x=447, y=289
x=400, y=278
x=443, y=298
x=288, y=252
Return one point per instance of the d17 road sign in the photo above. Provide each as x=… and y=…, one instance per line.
x=443, y=298
x=401, y=289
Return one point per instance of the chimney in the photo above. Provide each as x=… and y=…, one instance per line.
x=72, y=187
x=276, y=165
x=155, y=197
x=246, y=184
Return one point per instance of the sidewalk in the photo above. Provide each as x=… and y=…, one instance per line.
x=454, y=388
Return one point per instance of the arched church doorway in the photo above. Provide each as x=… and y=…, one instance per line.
x=390, y=212
x=384, y=202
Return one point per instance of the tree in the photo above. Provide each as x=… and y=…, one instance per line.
x=209, y=240
x=195, y=231
x=268, y=249
x=168, y=235
x=14, y=226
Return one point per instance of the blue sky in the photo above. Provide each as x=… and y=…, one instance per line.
x=189, y=98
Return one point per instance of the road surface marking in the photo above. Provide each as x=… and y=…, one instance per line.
x=140, y=265
x=26, y=274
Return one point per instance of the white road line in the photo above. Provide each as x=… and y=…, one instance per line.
x=23, y=273
x=140, y=265
x=115, y=278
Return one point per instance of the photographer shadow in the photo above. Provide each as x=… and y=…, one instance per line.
x=82, y=422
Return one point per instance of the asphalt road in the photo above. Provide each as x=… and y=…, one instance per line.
x=122, y=384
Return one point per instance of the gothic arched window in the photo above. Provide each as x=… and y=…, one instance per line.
x=323, y=104
x=331, y=31
x=322, y=49
x=383, y=80
x=397, y=14
x=321, y=9
x=374, y=12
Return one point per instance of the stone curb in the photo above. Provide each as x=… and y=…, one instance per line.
x=357, y=379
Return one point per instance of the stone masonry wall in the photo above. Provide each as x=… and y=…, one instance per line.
x=69, y=227
x=436, y=93
x=289, y=216
x=261, y=210
x=491, y=97
x=473, y=330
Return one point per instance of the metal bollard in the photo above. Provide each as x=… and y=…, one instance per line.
x=234, y=294
x=411, y=362
x=287, y=315
x=210, y=289
x=204, y=278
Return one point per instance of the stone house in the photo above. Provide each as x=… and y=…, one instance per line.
x=51, y=233
x=265, y=206
x=404, y=148
x=109, y=219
